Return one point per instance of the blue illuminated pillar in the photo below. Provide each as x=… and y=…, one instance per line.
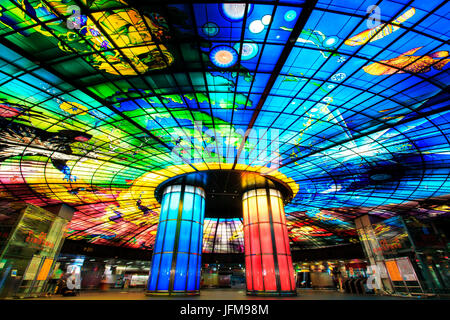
x=176, y=263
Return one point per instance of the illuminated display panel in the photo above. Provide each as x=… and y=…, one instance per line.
x=92, y=105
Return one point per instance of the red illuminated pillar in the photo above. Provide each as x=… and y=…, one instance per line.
x=268, y=261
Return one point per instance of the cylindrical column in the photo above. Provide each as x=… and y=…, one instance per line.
x=176, y=263
x=268, y=261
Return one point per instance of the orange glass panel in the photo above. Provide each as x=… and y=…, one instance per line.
x=394, y=272
x=43, y=273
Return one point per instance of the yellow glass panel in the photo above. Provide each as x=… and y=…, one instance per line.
x=263, y=210
x=252, y=210
x=245, y=209
x=275, y=209
x=282, y=214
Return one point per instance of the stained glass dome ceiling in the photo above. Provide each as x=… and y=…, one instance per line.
x=345, y=101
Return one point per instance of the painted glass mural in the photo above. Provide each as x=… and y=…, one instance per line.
x=101, y=101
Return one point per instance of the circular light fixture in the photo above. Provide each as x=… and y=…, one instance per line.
x=266, y=19
x=223, y=56
x=330, y=41
x=290, y=15
x=234, y=11
x=249, y=50
x=256, y=26
x=338, y=77
x=210, y=29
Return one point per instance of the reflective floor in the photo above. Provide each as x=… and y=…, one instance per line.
x=223, y=294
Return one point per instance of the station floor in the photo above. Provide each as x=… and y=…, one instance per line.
x=222, y=294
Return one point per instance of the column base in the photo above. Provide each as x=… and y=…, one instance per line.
x=172, y=293
x=272, y=293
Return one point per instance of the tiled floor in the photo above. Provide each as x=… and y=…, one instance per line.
x=222, y=294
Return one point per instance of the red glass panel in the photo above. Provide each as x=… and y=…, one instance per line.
x=279, y=238
x=248, y=273
x=246, y=240
x=269, y=273
x=266, y=238
x=284, y=272
x=257, y=273
x=254, y=239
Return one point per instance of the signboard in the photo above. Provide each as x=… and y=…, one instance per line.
x=394, y=272
x=406, y=269
x=392, y=236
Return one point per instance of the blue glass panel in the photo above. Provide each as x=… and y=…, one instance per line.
x=160, y=237
x=194, y=238
x=199, y=263
x=185, y=235
x=188, y=202
x=198, y=208
x=200, y=242
x=169, y=239
x=164, y=207
x=173, y=205
x=181, y=269
x=192, y=273
x=155, y=272
x=164, y=271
